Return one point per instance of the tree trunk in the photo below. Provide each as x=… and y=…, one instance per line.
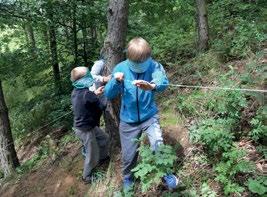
x=93, y=41
x=202, y=25
x=85, y=38
x=85, y=45
x=53, y=51
x=74, y=28
x=113, y=47
x=26, y=35
x=8, y=156
x=46, y=39
x=30, y=38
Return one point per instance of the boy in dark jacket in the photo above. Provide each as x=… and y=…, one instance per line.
x=87, y=111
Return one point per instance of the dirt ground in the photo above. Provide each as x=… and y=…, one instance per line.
x=61, y=177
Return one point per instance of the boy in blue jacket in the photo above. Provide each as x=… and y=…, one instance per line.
x=136, y=80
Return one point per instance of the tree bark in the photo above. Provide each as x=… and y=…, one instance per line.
x=202, y=25
x=85, y=38
x=74, y=28
x=53, y=51
x=113, y=48
x=45, y=37
x=26, y=34
x=30, y=38
x=8, y=156
x=85, y=44
x=93, y=40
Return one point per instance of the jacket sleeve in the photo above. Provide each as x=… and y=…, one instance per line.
x=159, y=77
x=96, y=71
x=113, y=87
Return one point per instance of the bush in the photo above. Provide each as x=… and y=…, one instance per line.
x=236, y=27
x=154, y=165
x=259, y=127
x=193, y=104
x=214, y=134
x=232, y=163
x=258, y=186
x=206, y=191
x=214, y=103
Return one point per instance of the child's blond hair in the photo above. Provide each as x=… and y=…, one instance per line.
x=138, y=50
x=78, y=72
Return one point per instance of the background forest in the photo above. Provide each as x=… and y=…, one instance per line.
x=219, y=137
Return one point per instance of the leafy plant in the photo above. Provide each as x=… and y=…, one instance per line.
x=214, y=134
x=206, y=191
x=232, y=163
x=154, y=165
x=263, y=150
x=259, y=127
x=258, y=185
x=227, y=103
x=192, y=104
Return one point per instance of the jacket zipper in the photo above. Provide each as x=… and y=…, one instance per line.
x=137, y=102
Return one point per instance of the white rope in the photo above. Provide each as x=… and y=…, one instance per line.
x=42, y=127
x=209, y=87
x=52, y=121
x=218, y=88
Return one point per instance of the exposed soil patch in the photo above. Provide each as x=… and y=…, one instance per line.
x=58, y=178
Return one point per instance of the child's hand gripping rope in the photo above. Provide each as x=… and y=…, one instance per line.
x=144, y=84
x=119, y=76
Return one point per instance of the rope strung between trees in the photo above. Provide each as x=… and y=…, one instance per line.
x=171, y=85
x=210, y=87
x=218, y=88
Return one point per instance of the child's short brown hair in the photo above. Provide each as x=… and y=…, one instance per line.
x=78, y=72
x=138, y=50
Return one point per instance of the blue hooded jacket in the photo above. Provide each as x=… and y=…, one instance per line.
x=137, y=105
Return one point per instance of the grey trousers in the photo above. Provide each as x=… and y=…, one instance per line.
x=128, y=135
x=96, y=145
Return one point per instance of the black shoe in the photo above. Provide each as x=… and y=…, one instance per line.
x=87, y=180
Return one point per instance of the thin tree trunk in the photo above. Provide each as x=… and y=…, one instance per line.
x=68, y=37
x=85, y=45
x=26, y=35
x=202, y=25
x=45, y=36
x=53, y=51
x=8, y=156
x=113, y=46
x=31, y=37
x=85, y=39
x=93, y=36
x=74, y=27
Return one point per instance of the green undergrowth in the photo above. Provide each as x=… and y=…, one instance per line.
x=153, y=165
x=219, y=120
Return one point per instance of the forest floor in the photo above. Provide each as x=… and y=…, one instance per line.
x=61, y=175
